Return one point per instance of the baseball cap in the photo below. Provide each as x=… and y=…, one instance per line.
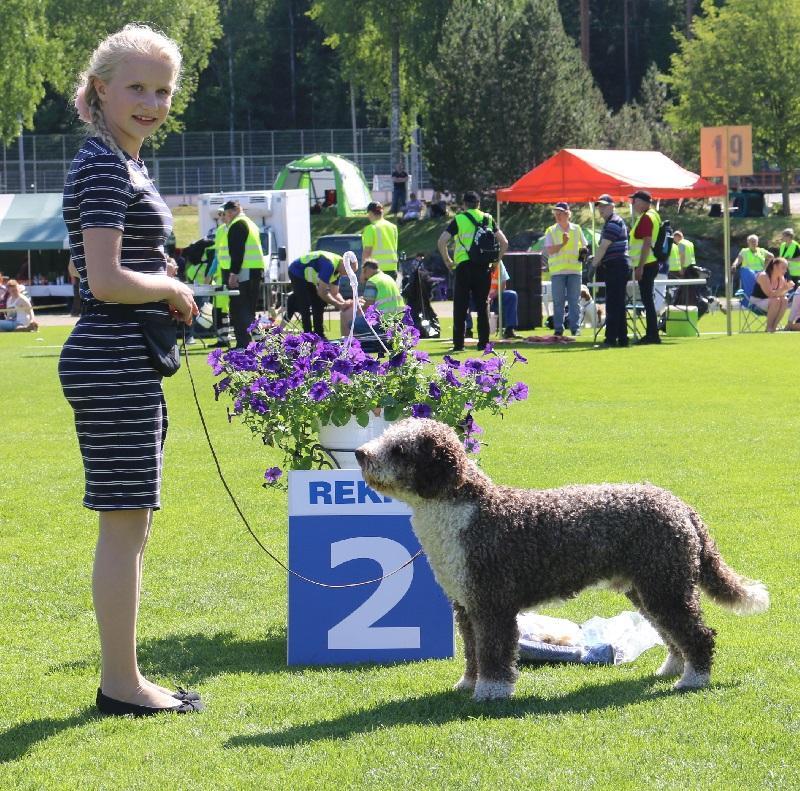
x=561, y=206
x=231, y=204
x=605, y=200
x=642, y=195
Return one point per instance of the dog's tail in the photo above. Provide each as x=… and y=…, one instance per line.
x=723, y=584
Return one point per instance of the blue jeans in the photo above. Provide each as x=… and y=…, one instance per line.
x=7, y=325
x=566, y=288
x=510, y=301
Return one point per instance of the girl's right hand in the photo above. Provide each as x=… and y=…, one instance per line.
x=182, y=302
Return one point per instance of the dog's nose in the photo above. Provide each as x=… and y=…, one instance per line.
x=360, y=455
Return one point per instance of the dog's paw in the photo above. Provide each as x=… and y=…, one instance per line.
x=465, y=683
x=673, y=666
x=692, y=679
x=489, y=689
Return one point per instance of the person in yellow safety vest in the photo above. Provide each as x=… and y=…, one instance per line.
x=222, y=302
x=470, y=279
x=790, y=250
x=314, y=277
x=752, y=256
x=643, y=235
x=379, y=240
x=563, y=242
x=198, y=271
x=241, y=245
x=380, y=290
x=681, y=256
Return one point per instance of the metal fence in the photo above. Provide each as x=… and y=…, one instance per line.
x=196, y=162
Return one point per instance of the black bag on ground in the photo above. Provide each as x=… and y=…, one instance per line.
x=484, y=249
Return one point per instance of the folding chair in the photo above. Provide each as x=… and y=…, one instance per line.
x=751, y=318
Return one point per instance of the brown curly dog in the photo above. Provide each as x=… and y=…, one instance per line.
x=497, y=550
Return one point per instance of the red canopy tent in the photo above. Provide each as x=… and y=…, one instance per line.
x=580, y=175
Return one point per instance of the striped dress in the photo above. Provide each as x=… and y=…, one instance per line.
x=105, y=372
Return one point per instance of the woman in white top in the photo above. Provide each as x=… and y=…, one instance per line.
x=19, y=311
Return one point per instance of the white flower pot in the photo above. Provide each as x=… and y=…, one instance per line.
x=341, y=441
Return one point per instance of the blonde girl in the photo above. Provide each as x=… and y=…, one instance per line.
x=117, y=224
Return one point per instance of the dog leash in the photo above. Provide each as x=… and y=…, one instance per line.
x=244, y=518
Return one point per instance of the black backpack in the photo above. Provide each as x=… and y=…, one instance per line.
x=484, y=249
x=662, y=246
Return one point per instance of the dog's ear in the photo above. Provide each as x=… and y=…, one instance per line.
x=441, y=465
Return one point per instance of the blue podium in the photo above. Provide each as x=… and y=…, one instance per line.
x=341, y=531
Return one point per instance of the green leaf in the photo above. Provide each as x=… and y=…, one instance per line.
x=362, y=418
x=392, y=412
x=340, y=416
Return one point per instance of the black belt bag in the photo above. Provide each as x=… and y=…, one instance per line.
x=160, y=335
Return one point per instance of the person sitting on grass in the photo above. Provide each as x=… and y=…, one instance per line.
x=18, y=311
x=769, y=292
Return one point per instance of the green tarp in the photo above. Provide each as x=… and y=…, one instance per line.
x=32, y=222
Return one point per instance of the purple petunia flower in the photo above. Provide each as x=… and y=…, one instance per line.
x=434, y=391
x=319, y=391
x=344, y=367
x=489, y=349
x=451, y=361
x=337, y=378
x=397, y=360
x=451, y=379
x=221, y=386
x=292, y=343
x=259, y=405
x=472, y=445
x=473, y=365
x=372, y=315
x=421, y=410
x=519, y=357
x=422, y=357
x=518, y=392
x=277, y=389
x=272, y=474
x=271, y=362
x=371, y=365
x=406, y=317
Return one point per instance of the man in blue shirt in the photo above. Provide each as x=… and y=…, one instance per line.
x=314, y=278
x=612, y=253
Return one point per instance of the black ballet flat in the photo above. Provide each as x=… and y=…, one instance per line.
x=119, y=708
x=186, y=694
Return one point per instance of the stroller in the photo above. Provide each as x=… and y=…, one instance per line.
x=416, y=291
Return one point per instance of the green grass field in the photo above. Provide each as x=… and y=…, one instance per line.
x=712, y=419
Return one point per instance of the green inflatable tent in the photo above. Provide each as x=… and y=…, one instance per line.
x=331, y=180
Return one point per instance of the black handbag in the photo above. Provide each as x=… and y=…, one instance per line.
x=161, y=340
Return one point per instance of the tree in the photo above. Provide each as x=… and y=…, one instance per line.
x=508, y=89
x=735, y=70
x=384, y=45
x=24, y=61
x=47, y=43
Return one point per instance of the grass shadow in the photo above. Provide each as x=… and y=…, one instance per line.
x=193, y=658
x=19, y=739
x=444, y=707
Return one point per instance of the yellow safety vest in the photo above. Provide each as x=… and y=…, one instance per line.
x=566, y=259
x=675, y=256
x=791, y=250
x=221, y=246
x=310, y=274
x=388, y=299
x=466, y=233
x=381, y=236
x=253, y=254
x=753, y=260
x=635, y=245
